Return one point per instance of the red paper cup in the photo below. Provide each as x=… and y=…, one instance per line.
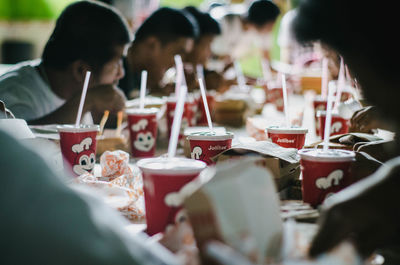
x=293, y=137
x=276, y=95
x=202, y=118
x=319, y=104
x=163, y=178
x=324, y=173
x=143, y=131
x=78, y=147
x=338, y=124
x=205, y=145
x=188, y=116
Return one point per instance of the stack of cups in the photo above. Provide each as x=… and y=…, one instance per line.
x=78, y=147
x=324, y=173
x=143, y=131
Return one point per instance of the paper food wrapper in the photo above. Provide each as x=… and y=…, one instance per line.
x=120, y=184
x=346, y=141
x=284, y=163
x=237, y=204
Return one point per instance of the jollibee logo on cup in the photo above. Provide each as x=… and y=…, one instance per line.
x=85, y=156
x=333, y=179
x=197, y=153
x=144, y=139
x=285, y=140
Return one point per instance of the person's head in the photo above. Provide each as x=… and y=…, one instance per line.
x=208, y=29
x=369, y=46
x=165, y=33
x=88, y=36
x=262, y=15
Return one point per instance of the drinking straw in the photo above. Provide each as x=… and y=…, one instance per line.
x=239, y=75
x=180, y=74
x=203, y=95
x=143, y=82
x=83, y=96
x=200, y=72
x=103, y=121
x=328, y=117
x=176, y=124
x=119, y=123
x=266, y=69
x=285, y=101
x=341, y=83
x=324, y=80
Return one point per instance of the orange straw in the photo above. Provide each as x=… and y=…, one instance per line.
x=103, y=121
x=119, y=123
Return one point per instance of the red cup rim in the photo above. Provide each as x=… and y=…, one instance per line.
x=208, y=136
x=81, y=128
x=283, y=130
x=323, y=113
x=329, y=156
x=145, y=111
x=171, y=166
x=190, y=130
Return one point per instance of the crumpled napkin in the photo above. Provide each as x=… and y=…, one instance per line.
x=121, y=184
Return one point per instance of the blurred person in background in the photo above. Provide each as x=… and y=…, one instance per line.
x=367, y=212
x=164, y=34
x=88, y=36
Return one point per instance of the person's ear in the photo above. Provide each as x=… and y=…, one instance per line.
x=79, y=69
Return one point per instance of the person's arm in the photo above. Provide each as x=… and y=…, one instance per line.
x=98, y=99
x=367, y=213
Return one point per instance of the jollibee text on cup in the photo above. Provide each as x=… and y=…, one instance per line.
x=78, y=147
x=163, y=179
x=143, y=131
x=205, y=145
x=324, y=173
x=288, y=137
x=339, y=125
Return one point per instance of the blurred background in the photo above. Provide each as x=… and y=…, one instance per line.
x=25, y=25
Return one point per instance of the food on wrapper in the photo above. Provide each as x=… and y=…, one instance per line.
x=288, y=137
x=205, y=145
x=163, y=178
x=250, y=227
x=78, y=147
x=142, y=125
x=231, y=112
x=109, y=142
x=121, y=183
x=324, y=173
x=339, y=125
x=190, y=130
x=283, y=163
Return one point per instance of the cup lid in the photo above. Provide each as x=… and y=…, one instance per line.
x=332, y=155
x=80, y=128
x=207, y=135
x=190, y=130
x=286, y=130
x=171, y=166
x=145, y=111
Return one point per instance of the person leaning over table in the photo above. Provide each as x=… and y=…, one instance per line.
x=366, y=213
x=88, y=36
x=164, y=34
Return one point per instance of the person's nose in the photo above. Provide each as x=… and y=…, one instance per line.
x=121, y=71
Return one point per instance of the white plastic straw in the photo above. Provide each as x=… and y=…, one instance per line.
x=200, y=72
x=176, y=124
x=266, y=70
x=180, y=74
x=203, y=95
x=83, y=96
x=143, y=83
x=341, y=84
x=324, y=79
x=285, y=101
x=239, y=76
x=328, y=118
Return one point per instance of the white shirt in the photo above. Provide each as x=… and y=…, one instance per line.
x=236, y=42
x=26, y=93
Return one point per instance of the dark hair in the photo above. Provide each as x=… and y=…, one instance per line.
x=207, y=25
x=261, y=12
x=88, y=31
x=167, y=24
